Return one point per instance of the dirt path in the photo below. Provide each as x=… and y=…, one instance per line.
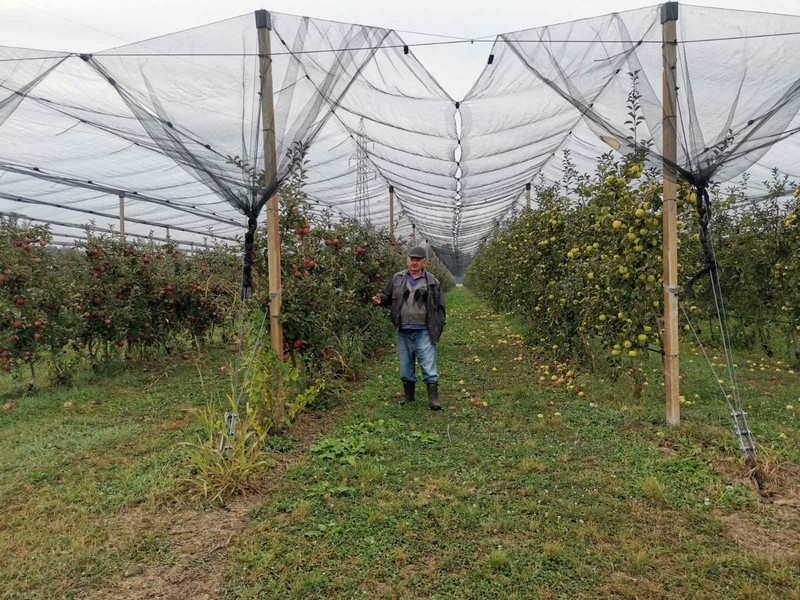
x=196, y=539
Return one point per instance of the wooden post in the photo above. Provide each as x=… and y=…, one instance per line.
x=264, y=26
x=528, y=196
x=669, y=16
x=191, y=248
x=391, y=218
x=122, y=216
x=413, y=235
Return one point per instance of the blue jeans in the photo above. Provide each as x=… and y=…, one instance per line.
x=417, y=342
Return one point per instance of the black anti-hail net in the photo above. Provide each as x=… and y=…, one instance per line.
x=174, y=123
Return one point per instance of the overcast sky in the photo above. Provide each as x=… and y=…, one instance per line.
x=93, y=25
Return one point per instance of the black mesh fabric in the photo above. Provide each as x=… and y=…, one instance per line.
x=174, y=122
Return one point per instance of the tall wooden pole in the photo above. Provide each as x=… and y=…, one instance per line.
x=413, y=235
x=391, y=217
x=528, y=196
x=122, y=216
x=264, y=26
x=669, y=17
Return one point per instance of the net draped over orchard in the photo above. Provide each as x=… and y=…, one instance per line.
x=174, y=123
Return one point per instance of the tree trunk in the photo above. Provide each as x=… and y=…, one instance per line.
x=762, y=332
x=795, y=348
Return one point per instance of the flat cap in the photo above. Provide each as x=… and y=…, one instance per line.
x=417, y=252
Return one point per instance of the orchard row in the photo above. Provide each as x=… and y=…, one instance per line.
x=585, y=267
x=106, y=298
x=104, y=294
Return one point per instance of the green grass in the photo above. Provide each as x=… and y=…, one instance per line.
x=395, y=502
x=494, y=502
x=68, y=476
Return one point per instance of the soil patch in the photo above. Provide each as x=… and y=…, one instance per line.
x=776, y=535
x=197, y=539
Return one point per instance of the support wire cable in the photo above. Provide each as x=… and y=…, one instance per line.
x=457, y=40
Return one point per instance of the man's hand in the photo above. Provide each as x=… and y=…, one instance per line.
x=376, y=299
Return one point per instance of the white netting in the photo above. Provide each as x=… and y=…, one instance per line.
x=161, y=121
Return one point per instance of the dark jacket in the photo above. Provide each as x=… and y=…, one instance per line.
x=396, y=291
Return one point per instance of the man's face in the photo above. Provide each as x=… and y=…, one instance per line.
x=415, y=264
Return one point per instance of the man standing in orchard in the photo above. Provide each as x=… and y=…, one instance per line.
x=417, y=310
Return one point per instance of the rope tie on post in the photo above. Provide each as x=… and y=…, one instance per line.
x=249, y=242
x=703, y=219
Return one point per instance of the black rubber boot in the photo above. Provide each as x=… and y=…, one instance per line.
x=408, y=389
x=433, y=396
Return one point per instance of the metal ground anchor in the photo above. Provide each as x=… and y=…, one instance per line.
x=230, y=430
x=743, y=435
